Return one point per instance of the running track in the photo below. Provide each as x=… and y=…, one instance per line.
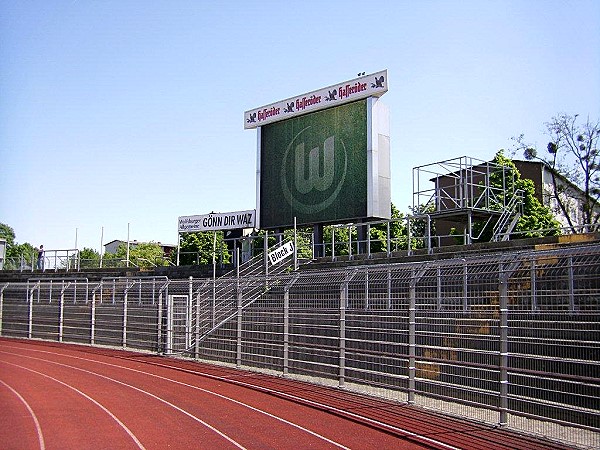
x=57, y=396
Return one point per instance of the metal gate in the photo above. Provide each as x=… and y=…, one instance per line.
x=179, y=324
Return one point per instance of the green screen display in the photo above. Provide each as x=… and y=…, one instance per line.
x=314, y=167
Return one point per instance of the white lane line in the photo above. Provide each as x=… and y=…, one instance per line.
x=127, y=430
x=33, y=416
x=321, y=406
x=197, y=419
x=280, y=419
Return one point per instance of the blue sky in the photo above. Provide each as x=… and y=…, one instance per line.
x=131, y=112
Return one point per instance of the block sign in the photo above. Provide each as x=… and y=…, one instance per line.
x=218, y=221
x=280, y=253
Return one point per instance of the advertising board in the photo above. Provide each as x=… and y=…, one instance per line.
x=372, y=85
x=218, y=221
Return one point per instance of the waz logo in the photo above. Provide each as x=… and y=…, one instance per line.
x=313, y=176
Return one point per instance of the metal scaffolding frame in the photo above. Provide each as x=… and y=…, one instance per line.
x=463, y=192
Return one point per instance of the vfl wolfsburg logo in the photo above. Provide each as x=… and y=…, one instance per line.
x=317, y=172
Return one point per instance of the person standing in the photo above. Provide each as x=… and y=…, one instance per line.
x=40, y=258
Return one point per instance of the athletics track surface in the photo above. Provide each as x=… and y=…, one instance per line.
x=57, y=396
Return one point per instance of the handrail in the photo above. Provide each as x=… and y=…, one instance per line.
x=509, y=212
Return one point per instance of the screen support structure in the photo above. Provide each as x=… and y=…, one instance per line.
x=319, y=246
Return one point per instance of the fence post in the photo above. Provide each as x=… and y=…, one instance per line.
x=125, y=319
x=2, y=304
x=465, y=302
x=30, y=314
x=61, y=313
x=571, y=282
x=195, y=309
x=93, y=317
x=265, y=253
x=503, y=294
x=368, y=226
x=349, y=241
x=532, y=272
x=286, y=324
x=159, y=322
x=238, y=357
x=388, y=240
x=389, y=288
x=343, y=302
x=332, y=244
x=439, y=287
x=344, y=294
x=412, y=341
x=408, y=237
x=286, y=330
x=366, y=290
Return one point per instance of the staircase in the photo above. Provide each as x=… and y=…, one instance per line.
x=508, y=219
x=221, y=299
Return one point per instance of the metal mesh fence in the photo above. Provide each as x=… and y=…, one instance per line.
x=511, y=339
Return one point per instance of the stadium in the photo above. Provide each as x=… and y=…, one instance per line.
x=501, y=336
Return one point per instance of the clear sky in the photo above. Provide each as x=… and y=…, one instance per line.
x=120, y=112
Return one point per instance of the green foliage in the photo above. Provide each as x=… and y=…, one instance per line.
x=16, y=254
x=536, y=220
x=397, y=230
x=197, y=249
x=7, y=233
x=343, y=235
x=144, y=255
x=418, y=226
x=89, y=258
x=303, y=242
x=20, y=253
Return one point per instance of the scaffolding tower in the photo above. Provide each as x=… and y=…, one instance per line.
x=467, y=190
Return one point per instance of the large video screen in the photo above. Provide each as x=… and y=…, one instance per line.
x=314, y=167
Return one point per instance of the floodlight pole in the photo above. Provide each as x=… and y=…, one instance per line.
x=127, y=244
x=265, y=253
x=214, y=277
x=101, y=245
x=178, y=246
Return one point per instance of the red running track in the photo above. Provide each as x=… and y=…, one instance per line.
x=58, y=396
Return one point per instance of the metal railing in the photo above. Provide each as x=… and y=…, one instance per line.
x=510, y=339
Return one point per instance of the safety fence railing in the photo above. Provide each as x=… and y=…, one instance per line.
x=510, y=339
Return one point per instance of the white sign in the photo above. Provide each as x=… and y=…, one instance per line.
x=280, y=253
x=374, y=85
x=218, y=221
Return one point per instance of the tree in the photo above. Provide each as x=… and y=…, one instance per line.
x=418, y=226
x=572, y=154
x=89, y=258
x=377, y=235
x=398, y=233
x=7, y=233
x=18, y=256
x=143, y=254
x=536, y=219
x=197, y=248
